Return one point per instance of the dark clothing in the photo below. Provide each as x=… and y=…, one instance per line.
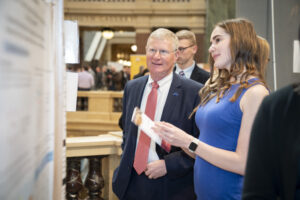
x=138, y=75
x=99, y=80
x=274, y=152
x=120, y=79
x=84, y=89
x=109, y=82
x=178, y=182
x=199, y=75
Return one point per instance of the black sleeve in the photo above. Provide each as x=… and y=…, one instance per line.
x=120, y=121
x=123, y=116
x=262, y=164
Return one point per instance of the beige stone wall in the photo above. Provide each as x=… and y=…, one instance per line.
x=141, y=15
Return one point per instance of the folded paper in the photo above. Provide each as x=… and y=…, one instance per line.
x=145, y=124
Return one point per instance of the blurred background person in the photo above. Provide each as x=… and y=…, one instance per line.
x=121, y=78
x=145, y=72
x=263, y=55
x=92, y=72
x=141, y=69
x=85, y=83
x=109, y=78
x=99, y=78
x=126, y=75
x=85, y=79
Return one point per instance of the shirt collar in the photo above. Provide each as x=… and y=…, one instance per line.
x=186, y=70
x=161, y=82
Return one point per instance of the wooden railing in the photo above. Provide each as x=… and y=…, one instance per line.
x=100, y=113
x=104, y=153
x=100, y=101
x=91, y=123
x=90, y=135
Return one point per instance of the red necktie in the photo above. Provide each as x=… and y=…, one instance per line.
x=166, y=146
x=142, y=150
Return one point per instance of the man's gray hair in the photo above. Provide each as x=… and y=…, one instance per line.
x=164, y=34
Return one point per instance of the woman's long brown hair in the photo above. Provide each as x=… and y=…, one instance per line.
x=245, y=54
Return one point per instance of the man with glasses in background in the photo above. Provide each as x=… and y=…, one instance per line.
x=163, y=172
x=186, y=65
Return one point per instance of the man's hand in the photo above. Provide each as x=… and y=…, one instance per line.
x=156, y=169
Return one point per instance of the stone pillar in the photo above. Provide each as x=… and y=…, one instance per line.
x=142, y=35
x=107, y=52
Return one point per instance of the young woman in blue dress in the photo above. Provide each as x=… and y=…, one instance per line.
x=229, y=102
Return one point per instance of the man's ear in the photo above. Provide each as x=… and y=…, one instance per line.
x=176, y=55
x=195, y=48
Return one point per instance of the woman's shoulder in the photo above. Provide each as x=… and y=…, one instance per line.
x=256, y=92
x=254, y=96
x=256, y=86
x=257, y=89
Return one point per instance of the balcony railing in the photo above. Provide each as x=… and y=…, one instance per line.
x=103, y=153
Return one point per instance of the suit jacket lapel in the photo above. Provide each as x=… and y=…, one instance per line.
x=194, y=74
x=175, y=93
x=140, y=87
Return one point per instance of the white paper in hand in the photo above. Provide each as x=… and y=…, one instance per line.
x=145, y=124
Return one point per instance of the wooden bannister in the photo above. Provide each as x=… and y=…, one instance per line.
x=89, y=137
x=82, y=123
x=108, y=146
x=99, y=115
x=102, y=101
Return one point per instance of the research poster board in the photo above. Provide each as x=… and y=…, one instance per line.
x=28, y=104
x=59, y=48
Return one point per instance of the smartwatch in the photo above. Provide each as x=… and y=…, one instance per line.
x=193, y=146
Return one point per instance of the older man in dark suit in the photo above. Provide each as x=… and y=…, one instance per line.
x=168, y=172
x=186, y=65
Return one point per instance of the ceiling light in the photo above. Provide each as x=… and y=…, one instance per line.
x=108, y=34
x=133, y=48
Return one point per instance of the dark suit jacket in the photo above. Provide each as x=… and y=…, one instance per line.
x=199, y=75
x=182, y=99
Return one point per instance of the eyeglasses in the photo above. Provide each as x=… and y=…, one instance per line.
x=181, y=49
x=162, y=52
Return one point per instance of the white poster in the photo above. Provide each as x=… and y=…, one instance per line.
x=60, y=110
x=71, y=91
x=71, y=35
x=27, y=100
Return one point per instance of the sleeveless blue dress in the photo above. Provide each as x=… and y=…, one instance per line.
x=219, y=125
